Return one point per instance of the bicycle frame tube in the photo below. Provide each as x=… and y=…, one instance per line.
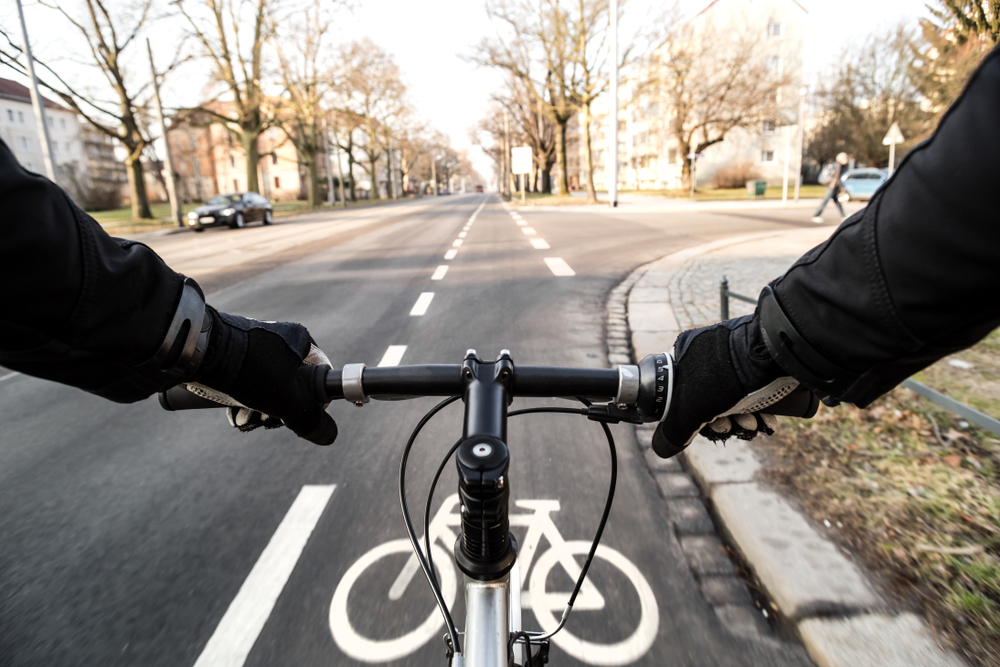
x=487, y=622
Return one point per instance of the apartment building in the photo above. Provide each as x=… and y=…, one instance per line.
x=210, y=160
x=649, y=153
x=20, y=132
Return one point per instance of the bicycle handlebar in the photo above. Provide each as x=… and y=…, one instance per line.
x=402, y=382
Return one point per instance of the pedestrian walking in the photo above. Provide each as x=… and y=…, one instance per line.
x=833, y=192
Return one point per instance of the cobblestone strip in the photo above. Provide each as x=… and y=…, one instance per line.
x=824, y=597
x=706, y=555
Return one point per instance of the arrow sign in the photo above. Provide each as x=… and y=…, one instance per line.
x=894, y=136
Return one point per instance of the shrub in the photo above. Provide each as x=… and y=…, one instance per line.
x=735, y=175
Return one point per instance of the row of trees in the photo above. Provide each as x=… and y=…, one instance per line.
x=556, y=57
x=270, y=64
x=702, y=80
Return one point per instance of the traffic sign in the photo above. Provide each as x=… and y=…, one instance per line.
x=695, y=156
x=893, y=136
x=520, y=160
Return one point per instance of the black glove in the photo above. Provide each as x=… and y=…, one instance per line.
x=723, y=379
x=255, y=365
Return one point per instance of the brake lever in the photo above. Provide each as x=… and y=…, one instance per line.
x=612, y=414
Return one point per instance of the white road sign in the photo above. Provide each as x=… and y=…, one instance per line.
x=520, y=160
x=894, y=136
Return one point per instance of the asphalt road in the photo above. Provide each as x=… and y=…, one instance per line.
x=133, y=536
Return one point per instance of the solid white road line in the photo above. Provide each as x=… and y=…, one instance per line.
x=451, y=254
x=239, y=628
x=539, y=244
x=528, y=231
x=559, y=267
x=9, y=376
x=462, y=235
x=439, y=272
x=393, y=355
x=422, y=304
x=457, y=242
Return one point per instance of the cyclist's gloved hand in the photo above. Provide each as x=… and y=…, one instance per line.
x=252, y=366
x=724, y=378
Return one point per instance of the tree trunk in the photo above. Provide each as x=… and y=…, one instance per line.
x=588, y=155
x=137, y=186
x=561, y=157
x=248, y=139
x=547, y=181
x=350, y=171
x=390, y=186
x=373, y=193
x=312, y=186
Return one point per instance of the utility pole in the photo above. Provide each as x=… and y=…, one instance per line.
x=168, y=163
x=330, y=194
x=612, y=169
x=788, y=151
x=340, y=170
x=36, y=102
x=506, y=151
x=803, y=91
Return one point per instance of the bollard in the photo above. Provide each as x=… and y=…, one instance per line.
x=724, y=299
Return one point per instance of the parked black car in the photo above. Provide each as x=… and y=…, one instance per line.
x=235, y=210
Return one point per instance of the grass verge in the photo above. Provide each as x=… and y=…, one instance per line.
x=914, y=492
x=732, y=194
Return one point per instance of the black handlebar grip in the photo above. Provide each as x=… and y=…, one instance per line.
x=315, y=379
x=179, y=398
x=800, y=403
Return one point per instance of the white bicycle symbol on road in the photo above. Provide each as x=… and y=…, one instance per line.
x=546, y=605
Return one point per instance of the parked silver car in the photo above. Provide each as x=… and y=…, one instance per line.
x=861, y=184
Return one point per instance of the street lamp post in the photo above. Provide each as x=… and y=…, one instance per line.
x=168, y=162
x=612, y=169
x=36, y=102
x=803, y=91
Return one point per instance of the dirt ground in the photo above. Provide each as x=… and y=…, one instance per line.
x=913, y=492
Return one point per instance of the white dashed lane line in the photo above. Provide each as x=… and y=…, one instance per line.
x=439, y=272
x=528, y=231
x=457, y=243
x=462, y=235
x=451, y=254
x=539, y=244
x=241, y=624
x=422, y=304
x=559, y=267
x=393, y=355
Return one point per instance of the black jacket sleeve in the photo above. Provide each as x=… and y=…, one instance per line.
x=913, y=277
x=78, y=306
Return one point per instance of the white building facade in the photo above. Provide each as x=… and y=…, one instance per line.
x=648, y=152
x=20, y=132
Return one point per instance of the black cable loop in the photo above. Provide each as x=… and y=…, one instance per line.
x=414, y=541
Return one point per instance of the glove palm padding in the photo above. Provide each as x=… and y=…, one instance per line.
x=724, y=379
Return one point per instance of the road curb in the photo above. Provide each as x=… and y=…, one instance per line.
x=839, y=616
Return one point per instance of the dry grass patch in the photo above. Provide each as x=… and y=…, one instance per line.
x=914, y=491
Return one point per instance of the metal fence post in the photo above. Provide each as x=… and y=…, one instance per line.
x=724, y=299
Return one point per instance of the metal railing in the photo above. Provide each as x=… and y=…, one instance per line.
x=974, y=416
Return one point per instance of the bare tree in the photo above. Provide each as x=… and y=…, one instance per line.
x=529, y=125
x=714, y=78
x=305, y=85
x=873, y=86
x=108, y=35
x=238, y=67
x=371, y=90
x=538, y=48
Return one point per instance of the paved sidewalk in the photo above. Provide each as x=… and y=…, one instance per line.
x=838, y=614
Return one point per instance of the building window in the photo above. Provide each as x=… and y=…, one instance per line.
x=277, y=183
x=774, y=64
x=20, y=117
x=232, y=161
x=236, y=186
x=23, y=143
x=775, y=30
x=10, y=115
x=52, y=122
x=671, y=156
x=55, y=146
x=767, y=157
x=621, y=126
x=770, y=127
x=69, y=149
x=62, y=123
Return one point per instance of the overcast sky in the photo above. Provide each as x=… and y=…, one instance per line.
x=429, y=39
